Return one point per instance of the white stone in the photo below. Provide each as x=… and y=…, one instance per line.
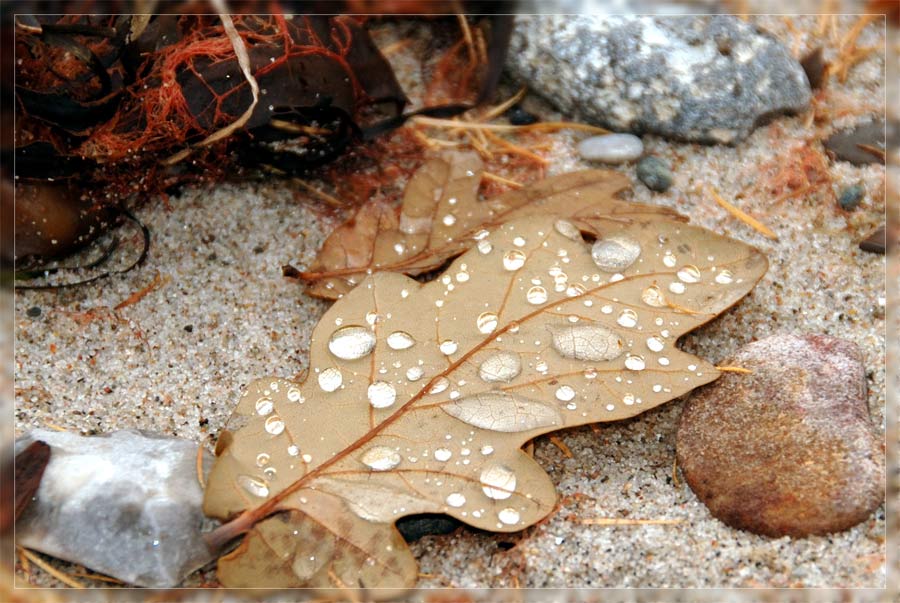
x=126, y=504
x=611, y=148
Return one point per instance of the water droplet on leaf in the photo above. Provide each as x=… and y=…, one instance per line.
x=351, y=342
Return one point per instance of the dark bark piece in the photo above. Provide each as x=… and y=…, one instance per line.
x=814, y=66
x=30, y=465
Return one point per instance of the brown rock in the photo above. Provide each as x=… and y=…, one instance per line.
x=789, y=449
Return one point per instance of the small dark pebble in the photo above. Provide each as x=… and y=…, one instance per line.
x=518, y=116
x=654, y=173
x=814, y=66
x=851, y=196
x=189, y=328
x=415, y=527
x=875, y=242
x=259, y=249
x=33, y=311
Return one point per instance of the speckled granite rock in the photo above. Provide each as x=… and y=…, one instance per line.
x=705, y=79
x=126, y=504
x=789, y=449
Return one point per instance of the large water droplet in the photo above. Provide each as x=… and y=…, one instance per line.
x=655, y=344
x=502, y=366
x=351, y=342
x=634, y=362
x=448, y=347
x=628, y=399
x=564, y=393
x=669, y=259
x=400, y=340
x=254, y=486
x=262, y=459
x=294, y=395
x=486, y=322
x=498, y=482
x=615, y=253
x=455, y=499
x=449, y=220
x=628, y=318
x=689, y=274
x=264, y=406
x=414, y=373
x=519, y=242
x=381, y=394
x=537, y=295
x=586, y=342
x=484, y=247
x=513, y=260
x=677, y=288
x=502, y=411
x=567, y=229
x=381, y=458
x=442, y=454
x=330, y=379
x=440, y=385
x=274, y=425
x=652, y=296
x=725, y=277
x=509, y=516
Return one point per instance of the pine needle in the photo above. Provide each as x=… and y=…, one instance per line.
x=157, y=282
x=620, y=521
x=62, y=577
x=322, y=195
x=514, y=148
x=545, y=126
x=501, y=179
x=562, y=447
x=734, y=369
x=467, y=35
x=199, y=461
x=54, y=426
x=97, y=577
x=675, y=482
x=503, y=107
x=743, y=216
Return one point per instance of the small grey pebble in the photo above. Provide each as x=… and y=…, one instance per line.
x=654, y=173
x=851, y=196
x=611, y=148
x=33, y=311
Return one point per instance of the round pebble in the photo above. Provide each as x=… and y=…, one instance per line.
x=851, y=196
x=611, y=148
x=789, y=449
x=654, y=173
x=520, y=117
x=33, y=311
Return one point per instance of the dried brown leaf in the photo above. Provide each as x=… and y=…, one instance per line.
x=441, y=217
x=421, y=396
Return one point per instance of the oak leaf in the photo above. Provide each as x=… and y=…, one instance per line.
x=420, y=397
x=441, y=216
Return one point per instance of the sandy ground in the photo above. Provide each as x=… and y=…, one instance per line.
x=85, y=367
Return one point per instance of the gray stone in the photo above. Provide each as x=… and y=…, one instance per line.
x=695, y=78
x=654, y=173
x=611, y=148
x=126, y=504
x=788, y=449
